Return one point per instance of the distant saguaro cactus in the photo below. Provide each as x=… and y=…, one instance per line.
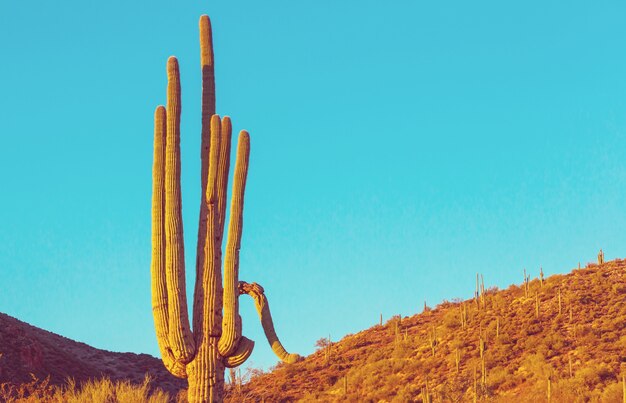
x=601, y=257
x=432, y=339
x=526, y=283
x=536, y=305
x=216, y=341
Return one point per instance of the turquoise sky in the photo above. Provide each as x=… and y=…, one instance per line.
x=397, y=148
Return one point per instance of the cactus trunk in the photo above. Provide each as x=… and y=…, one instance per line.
x=216, y=341
x=206, y=376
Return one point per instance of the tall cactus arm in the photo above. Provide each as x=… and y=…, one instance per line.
x=157, y=268
x=231, y=326
x=222, y=174
x=263, y=309
x=208, y=70
x=212, y=276
x=208, y=110
x=179, y=334
x=206, y=370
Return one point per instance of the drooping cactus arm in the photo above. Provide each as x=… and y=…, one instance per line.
x=231, y=326
x=241, y=353
x=263, y=309
x=179, y=333
x=208, y=110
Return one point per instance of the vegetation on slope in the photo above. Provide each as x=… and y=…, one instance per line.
x=561, y=339
x=27, y=351
x=93, y=391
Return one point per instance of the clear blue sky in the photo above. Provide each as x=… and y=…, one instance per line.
x=396, y=151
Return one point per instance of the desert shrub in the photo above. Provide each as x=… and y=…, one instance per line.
x=536, y=365
x=445, y=304
x=554, y=343
x=322, y=343
x=395, y=319
x=619, y=288
x=497, y=377
x=592, y=377
x=514, y=288
x=451, y=319
x=376, y=355
x=612, y=393
x=408, y=393
x=401, y=351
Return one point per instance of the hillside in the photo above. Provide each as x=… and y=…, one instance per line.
x=532, y=347
x=26, y=350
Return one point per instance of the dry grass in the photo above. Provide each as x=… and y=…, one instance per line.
x=94, y=391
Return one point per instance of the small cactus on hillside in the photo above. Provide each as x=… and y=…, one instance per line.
x=601, y=257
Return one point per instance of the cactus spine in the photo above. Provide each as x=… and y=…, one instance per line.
x=216, y=342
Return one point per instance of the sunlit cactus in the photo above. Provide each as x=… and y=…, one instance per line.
x=216, y=341
x=601, y=257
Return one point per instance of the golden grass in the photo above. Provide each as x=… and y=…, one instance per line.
x=95, y=391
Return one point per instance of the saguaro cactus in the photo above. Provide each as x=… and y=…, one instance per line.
x=216, y=341
x=600, y=257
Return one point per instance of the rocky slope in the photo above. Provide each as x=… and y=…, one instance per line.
x=26, y=350
x=563, y=339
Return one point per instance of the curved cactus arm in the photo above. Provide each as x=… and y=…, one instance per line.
x=179, y=334
x=241, y=353
x=208, y=110
x=157, y=268
x=263, y=309
x=231, y=327
x=176, y=368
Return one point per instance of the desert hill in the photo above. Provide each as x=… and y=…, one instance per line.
x=26, y=350
x=560, y=339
